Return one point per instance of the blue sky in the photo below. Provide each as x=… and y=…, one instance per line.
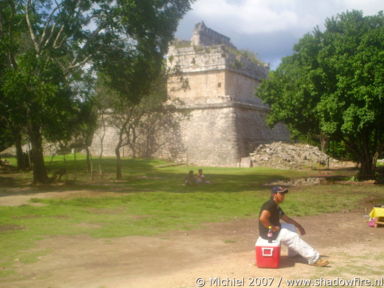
x=269, y=28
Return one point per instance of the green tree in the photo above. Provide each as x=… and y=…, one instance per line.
x=11, y=112
x=65, y=41
x=132, y=68
x=332, y=87
x=86, y=129
x=124, y=114
x=137, y=122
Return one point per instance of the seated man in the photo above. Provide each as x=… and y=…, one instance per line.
x=270, y=215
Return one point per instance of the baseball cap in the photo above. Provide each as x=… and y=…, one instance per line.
x=279, y=189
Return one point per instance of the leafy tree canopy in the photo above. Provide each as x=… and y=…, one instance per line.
x=49, y=50
x=333, y=86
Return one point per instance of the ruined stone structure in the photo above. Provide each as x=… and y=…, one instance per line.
x=204, y=36
x=226, y=121
x=215, y=88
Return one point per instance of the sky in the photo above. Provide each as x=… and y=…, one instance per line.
x=268, y=28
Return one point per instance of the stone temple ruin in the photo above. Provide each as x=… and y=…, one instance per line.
x=226, y=120
x=215, y=87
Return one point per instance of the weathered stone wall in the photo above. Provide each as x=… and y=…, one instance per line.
x=227, y=120
x=156, y=136
x=104, y=141
x=241, y=88
x=199, y=88
x=214, y=89
x=209, y=136
x=252, y=129
x=194, y=59
x=204, y=36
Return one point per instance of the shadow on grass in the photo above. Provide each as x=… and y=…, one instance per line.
x=8, y=181
x=162, y=182
x=141, y=175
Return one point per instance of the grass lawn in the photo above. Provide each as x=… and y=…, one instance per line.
x=150, y=199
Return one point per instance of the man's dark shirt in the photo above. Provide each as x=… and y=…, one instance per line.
x=276, y=214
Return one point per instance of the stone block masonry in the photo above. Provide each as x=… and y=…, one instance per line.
x=204, y=36
x=226, y=120
x=214, y=89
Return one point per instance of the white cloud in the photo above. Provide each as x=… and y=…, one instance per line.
x=247, y=17
x=266, y=16
x=269, y=27
x=368, y=6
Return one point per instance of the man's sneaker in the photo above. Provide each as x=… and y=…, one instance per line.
x=321, y=263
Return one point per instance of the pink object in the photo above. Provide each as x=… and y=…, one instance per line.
x=372, y=222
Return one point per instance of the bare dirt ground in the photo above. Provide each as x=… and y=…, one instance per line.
x=222, y=254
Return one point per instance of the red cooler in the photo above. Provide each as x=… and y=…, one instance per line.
x=267, y=254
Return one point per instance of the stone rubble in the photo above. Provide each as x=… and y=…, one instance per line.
x=290, y=156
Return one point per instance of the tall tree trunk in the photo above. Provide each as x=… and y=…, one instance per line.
x=88, y=159
x=21, y=160
x=102, y=144
x=119, y=174
x=367, y=168
x=37, y=158
x=134, y=140
x=324, y=141
x=89, y=163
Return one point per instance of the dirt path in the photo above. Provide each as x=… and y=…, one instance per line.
x=220, y=254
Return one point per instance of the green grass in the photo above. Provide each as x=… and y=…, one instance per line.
x=150, y=200
x=144, y=175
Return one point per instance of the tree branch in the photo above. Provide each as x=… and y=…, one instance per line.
x=55, y=43
x=31, y=32
x=10, y=52
x=49, y=37
x=47, y=25
x=75, y=64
